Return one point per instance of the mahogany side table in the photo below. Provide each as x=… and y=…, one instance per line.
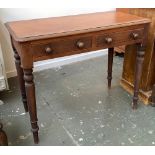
x=40, y=39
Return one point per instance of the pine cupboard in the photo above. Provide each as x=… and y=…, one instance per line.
x=148, y=70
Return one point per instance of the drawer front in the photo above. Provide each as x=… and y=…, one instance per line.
x=118, y=38
x=61, y=47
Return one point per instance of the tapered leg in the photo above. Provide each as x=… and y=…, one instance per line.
x=110, y=63
x=31, y=100
x=138, y=72
x=21, y=79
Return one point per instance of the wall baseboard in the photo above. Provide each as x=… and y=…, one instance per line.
x=53, y=63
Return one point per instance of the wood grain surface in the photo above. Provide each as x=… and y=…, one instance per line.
x=48, y=38
x=68, y=25
x=148, y=75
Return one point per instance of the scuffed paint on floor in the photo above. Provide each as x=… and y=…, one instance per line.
x=75, y=107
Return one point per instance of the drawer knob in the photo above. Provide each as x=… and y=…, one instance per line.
x=135, y=35
x=48, y=50
x=80, y=44
x=108, y=40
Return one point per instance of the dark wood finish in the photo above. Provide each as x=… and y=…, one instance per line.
x=148, y=70
x=30, y=92
x=64, y=46
x=138, y=72
x=28, y=30
x=62, y=36
x=110, y=63
x=3, y=137
x=116, y=38
x=60, y=47
x=20, y=75
x=152, y=98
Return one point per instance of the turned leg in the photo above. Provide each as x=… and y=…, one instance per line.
x=31, y=100
x=20, y=75
x=110, y=62
x=138, y=72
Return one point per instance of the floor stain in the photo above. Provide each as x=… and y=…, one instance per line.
x=75, y=107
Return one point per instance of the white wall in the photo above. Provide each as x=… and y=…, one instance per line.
x=3, y=81
x=9, y=14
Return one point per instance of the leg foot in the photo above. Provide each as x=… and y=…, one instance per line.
x=134, y=106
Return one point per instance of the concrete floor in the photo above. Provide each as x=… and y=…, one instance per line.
x=76, y=108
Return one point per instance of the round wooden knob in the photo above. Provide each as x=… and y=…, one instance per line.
x=135, y=35
x=48, y=50
x=80, y=44
x=108, y=40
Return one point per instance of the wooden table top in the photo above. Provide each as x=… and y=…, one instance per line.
x=27, y=30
